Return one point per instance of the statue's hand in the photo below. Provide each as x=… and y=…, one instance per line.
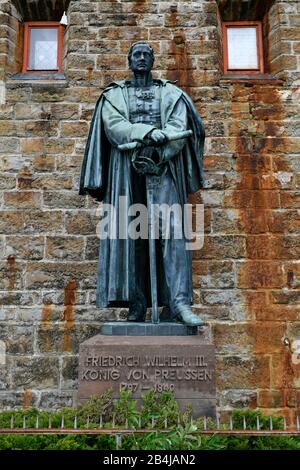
x=158, y=136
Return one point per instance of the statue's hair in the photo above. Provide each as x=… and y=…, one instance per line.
x=137, y=44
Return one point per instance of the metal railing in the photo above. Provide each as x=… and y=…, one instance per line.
x=204, y=425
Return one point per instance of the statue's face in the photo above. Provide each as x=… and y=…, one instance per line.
x=141, y=60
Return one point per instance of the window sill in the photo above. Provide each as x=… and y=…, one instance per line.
x=38, y=77
x=250, y=78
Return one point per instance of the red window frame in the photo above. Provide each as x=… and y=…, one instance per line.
x=42, y=24
x=259, y=43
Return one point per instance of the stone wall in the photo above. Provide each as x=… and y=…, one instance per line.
x=246, y=277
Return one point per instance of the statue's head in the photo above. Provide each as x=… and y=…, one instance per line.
x=140, y=57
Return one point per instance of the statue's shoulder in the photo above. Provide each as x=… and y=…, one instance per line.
x=111, y=91
x=166, y=83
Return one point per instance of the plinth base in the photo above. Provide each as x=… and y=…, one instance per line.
x=182, y=364
x=147, y=329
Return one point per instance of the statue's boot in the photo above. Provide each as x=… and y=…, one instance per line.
x=184, y=313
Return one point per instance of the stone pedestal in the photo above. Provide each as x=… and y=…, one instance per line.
x=183, y=364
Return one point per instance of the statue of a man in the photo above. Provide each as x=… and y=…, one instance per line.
x=149, y=111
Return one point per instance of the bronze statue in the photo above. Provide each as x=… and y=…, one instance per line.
x=146, y=144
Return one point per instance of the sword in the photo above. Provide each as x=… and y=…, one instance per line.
x=151, y=184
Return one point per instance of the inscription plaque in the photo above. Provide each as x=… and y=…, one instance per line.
x=183, y=365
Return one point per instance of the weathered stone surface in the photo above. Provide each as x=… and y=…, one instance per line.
x=281, y=297
x=69, y=164
x=64, y=111
x=292, y=398
x=18, y=339
x=9, y=145
x=43, y=221
x=2, y=247
x=22, y=199
x=18, y=298
x=256, y=274
x=47, y=93
x=32, y=146
x=246, y=278
x=236, y=372
x=50, y=275
x=92, y=248
x=28, y=314
x=73, y=129
x=71, y=248
x=40, y=128
x=55, y=400
x=249, y=338
x=276, y=247
x=213, y=274
x=81, y=61
x=214, y=313
x=64, y=337
x=36, y=372
x=70, y=373
x=4, y=376
x=90, y=313
x=238, y=399
x=46, y=182
x=224, y=246
x=10, y=221
x=25, y=247
x=284, y=371
x=43, y=163
x=11, y=274
x=31, y=111
x=6, y=111
x=62, y=199
x=10, y=128
x=57, y=297
x=270, y=399
x=225, y=297
x=58, y=146
x=81, y=222
x=9, y=399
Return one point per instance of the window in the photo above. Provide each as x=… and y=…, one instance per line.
x=243, y=50
x=43, y=44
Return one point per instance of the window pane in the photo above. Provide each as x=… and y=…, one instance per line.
x=242, y=48
x=43, y=49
